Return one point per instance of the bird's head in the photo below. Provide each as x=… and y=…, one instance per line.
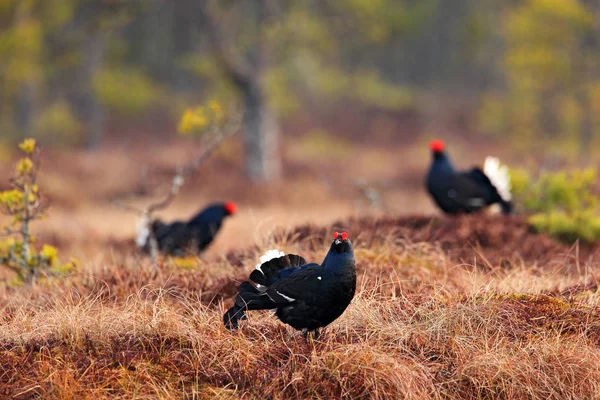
x=437, y=149
x=437, y=146
x=341, y=243
x=230, y=208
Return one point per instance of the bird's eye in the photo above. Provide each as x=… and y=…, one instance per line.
x=336, y=235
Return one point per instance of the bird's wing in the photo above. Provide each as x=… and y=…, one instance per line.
x=284, y=273
x=172, y=237
x=466, y=189
x=162, y=231
x=477, y=175
x=203, y=233
x=484, y=181
x=303, y=284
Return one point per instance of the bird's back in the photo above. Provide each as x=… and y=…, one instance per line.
x=172, y=238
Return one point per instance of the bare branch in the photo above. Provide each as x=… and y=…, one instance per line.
x=8, y=231
x=14, y=267
x=126, y=207
x=218, y=137
x=371, y=194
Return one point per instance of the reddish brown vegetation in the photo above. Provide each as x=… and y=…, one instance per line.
x=486, y=241
x=425, y=324
x=469, y=307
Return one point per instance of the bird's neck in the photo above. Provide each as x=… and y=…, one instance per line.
x=206, y=220
x=442, y=163
x=338, y=262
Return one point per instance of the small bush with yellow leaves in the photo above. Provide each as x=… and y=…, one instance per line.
x=562, y=203
x=23, y=204
x=199, y=119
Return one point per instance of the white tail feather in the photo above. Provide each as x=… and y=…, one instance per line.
x=268, y=256
x=499, y=176
x=143, y=232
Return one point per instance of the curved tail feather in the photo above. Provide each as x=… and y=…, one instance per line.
x=249, y=298
x=272, y=268
x=499, y=176
x=267, y=273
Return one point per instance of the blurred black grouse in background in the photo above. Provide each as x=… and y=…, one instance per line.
x=305, y=296
x=179, y=237
x=458, y=192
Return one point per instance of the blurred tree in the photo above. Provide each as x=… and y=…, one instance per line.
x=589, y=74
x=21, y=46
x=246, y=73
x=91, y=25
x=528, y=65
x=92, y=47
x=548, y=74
x=57, y=45
x=279, y=53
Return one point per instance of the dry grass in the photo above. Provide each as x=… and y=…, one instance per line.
x=472, y=307
x=421, y=326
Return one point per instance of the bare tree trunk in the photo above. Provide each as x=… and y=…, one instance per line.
x=547, y=117
x=587, y=129
x=25, y=108
x=260, y=136
x=93, y=114
x=588, y=47
x=260, y=128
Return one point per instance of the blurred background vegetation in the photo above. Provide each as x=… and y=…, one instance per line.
x=76, y=72
x=363, y=83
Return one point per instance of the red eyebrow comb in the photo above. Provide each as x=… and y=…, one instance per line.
x=437, y=145
x=230, y=207
x=335, y=235
x=344, y=235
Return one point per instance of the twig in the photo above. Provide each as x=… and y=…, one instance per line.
x=369, y=192
x=126, y=207
x=7, y=231
x=185, y=171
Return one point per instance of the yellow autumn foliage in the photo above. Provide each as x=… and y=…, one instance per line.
x=49, y=254
x=22, y=205
x=24, y=166
x=27, y=146
x=198, y=119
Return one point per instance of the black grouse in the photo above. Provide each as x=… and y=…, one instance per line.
x=179, y=237
x=305, y=296
x=457, y=192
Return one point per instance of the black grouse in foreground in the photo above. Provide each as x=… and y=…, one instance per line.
x=457, y=192
x=305, y=296
x=179, y=237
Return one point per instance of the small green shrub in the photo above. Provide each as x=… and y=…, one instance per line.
x=23, y=204
x=562, y=203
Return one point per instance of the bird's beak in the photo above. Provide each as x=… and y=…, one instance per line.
x=338, y=241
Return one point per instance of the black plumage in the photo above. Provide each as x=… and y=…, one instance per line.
x=305, y=296
x=194, y=236
x=457, y=192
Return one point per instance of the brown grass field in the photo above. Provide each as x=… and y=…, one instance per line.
x=473, y=307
